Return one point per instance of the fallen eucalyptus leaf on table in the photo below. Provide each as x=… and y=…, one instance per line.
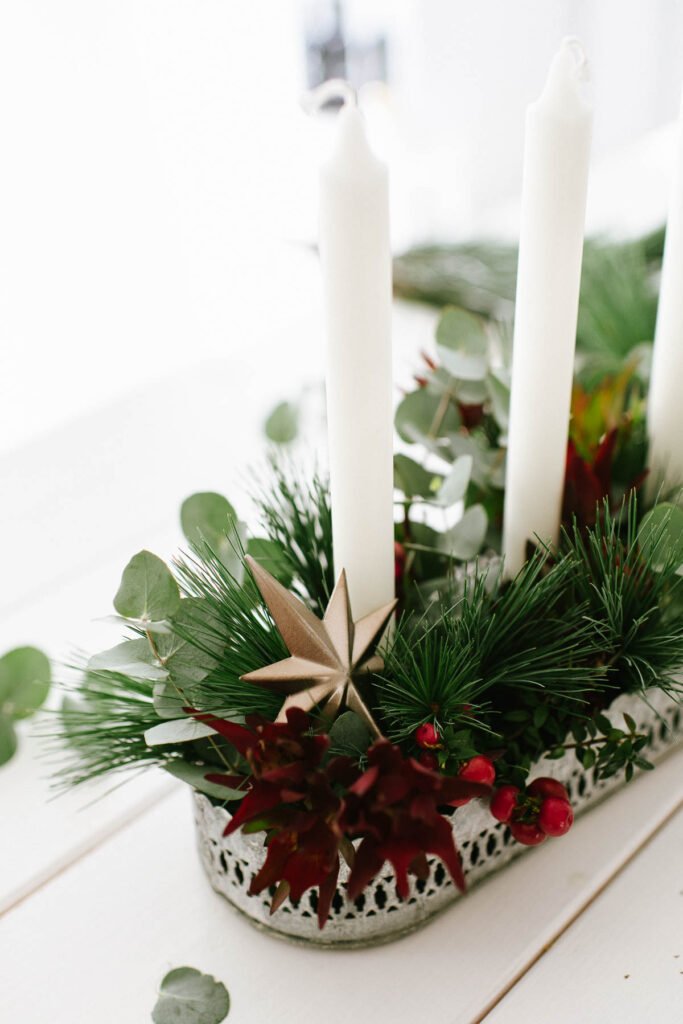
x=24, y=685
x=186, y=996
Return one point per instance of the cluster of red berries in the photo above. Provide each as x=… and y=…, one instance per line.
x=477, y=769
x=541, y=810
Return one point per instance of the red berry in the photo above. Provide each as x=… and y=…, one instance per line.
x=556, y=816
x=527, y=834
x=478, y=769
x=545, y=786
x=428, y=759
x=427, y=737
x=503, y=802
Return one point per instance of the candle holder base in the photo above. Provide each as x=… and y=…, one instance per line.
x=378, y=915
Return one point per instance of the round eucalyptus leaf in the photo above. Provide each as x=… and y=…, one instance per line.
x=661, y=535
x=350, y=734
x=132, y=658
x=8, y=740
x=271, y=556
x=191, y=662
x=148, y=591
x=462, y=344
x=455, y=485
x=470, y=392
x=186, y=996
x=464, y=540
x=208, y=517
x=422, y=418
x=282, y=426
x=412, y=479
x=24, y=681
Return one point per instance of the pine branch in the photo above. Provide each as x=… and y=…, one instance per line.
x=296, y=515
x=103, y=731
x=242, y=630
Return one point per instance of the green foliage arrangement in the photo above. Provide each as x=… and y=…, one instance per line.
x=482, y=675
x=496, y=666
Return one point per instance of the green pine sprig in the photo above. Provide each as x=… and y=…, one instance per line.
x=296, y=514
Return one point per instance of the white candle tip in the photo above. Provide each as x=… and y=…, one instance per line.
x=573, y=46
x=568, y=83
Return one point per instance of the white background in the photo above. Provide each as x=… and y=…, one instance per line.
x=157, y=181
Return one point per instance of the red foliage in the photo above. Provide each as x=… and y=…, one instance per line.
x=394, y=809
x=310, y=806
x=587, y=483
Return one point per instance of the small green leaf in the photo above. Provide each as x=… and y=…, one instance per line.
x=412, y=479
x=630, y=722
x=194, y=775
x=588, y=758
x=271, y=556
x=186, y=996
x=24, y=681
x=455, y=485
x=148, y=591
x=192, y=662
x=464, y=540
x=8, y=740
x=133, y=658
x=462, y=345
x=661, y=535
x=422, y=418
x=350, y=734
x=603, y=723
x=181, y=730
x=282, y=425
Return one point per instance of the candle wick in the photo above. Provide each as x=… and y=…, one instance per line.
x=334, y=89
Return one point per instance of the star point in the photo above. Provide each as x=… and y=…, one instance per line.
x=326, y=655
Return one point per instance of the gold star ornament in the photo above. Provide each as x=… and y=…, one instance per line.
x=326, y=655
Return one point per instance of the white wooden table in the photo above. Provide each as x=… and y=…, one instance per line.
x=97, y=902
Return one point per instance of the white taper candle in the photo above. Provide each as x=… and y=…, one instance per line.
x=556, y=157
x=665, y=407
x=356, y=265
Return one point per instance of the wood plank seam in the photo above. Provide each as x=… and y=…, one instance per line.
x=566, y=925
x=89, y=847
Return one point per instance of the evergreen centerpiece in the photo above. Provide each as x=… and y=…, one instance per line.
x=343, y=691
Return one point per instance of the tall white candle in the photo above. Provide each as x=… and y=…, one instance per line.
x=356, y=264
x=665, y=408
x=556, y=155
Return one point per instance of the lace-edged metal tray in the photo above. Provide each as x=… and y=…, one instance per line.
x=378, y=915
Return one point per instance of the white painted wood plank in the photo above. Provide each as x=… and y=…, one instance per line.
x=622, y=960
x=101, y=935
x=48, y=832
x=84, y=499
